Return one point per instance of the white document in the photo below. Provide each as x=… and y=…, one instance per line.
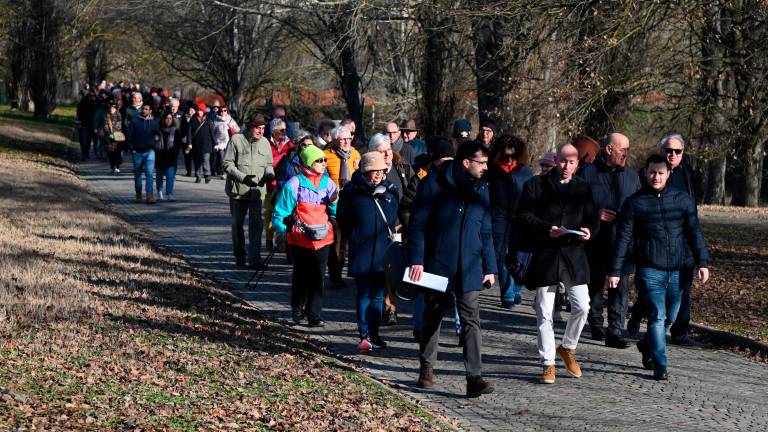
x=428, y=280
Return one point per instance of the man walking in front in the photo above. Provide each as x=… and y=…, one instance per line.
x=611, y=183
x=558, y=217
x=450, y=235
x=659, y=224
x=248, y=164
x=142, y=137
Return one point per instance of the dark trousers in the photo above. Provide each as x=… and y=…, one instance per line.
x=188, y=162
x=336, y=256
x=469, y=314
x=682, y=323
x=307, y=280
x=239, y=209
x=617, y=303
x=115, y=158
x=202, y=162
x=86, y=136
x=217, y=157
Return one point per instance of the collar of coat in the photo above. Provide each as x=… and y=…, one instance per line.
x=451, y=175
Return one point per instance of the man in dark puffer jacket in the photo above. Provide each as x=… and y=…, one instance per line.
x=658, y=222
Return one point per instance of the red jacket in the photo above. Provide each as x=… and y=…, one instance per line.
x=276, y=156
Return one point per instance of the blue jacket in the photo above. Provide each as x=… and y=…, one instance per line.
x=449, y=232
x=658, y=226
x=610, y=188
x=143, y=134
x=362, y=224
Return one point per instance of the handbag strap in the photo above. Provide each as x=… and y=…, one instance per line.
x=378, y=206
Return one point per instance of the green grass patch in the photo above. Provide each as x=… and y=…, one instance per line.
x=63, y=114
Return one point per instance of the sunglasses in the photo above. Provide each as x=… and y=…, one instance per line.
x=321, y=160
x=506, y=156
x=668, y=151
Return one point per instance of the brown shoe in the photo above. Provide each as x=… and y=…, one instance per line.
x=569, y=358
x=138, y=197
x=426, y=377
x=548, y=376
x=477, y=386
x=151, y=199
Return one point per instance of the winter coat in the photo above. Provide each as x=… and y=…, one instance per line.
x=246, y=156
x=407, y=186
x=610, y=188
x=289, y=166
x=116, y=122
x=201, y=135
x=503, y=194
x=541, y=207
x=363, y=225
x=334, y=163
x=129, y=113
x=167, y=152
x=520, y=174
x=143, y=134
x=277, y=156
x=303, y=201
x=450, y=230
x=659, y=227
x=85, y=111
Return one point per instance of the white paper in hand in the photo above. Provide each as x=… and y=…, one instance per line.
x=428, y=280
x=574, y=232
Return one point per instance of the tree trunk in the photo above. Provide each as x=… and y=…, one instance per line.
x=715, y=192
x=491, y=74
x=350, y=85
x=438, y=102
x=75, y=70
x=96, y=62
x=45, y=56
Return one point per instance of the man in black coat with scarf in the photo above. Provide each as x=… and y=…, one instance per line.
x=558, y=217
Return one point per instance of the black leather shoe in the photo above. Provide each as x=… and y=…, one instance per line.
x=316, y=323
x=647, y=358
x=598, y=333
x=682, y=340
x=660, y=374
x=616, y=342
x=477, y=386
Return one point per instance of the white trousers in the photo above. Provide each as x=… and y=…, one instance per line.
x=578, y=295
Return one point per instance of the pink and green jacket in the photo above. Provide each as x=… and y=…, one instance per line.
x=310, y=204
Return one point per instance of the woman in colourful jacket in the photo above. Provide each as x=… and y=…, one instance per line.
x=367, y=214
x=302, y=215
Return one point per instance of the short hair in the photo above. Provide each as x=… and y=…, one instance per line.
x=146, y=104
x=275, y=123
x=174, y=101
x=470, y=148
x=346, y=121
x=338, y=130
x=307, y=136
x=376, y=141
x=137, y=93
x=669, y=137
x=508, y=141
x=657, y=159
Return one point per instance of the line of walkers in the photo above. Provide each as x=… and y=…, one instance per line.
x=471, y=210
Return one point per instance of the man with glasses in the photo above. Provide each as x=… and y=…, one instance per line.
x=611, y=182
x=558, y=217
x=450, y=235
x=403, y=149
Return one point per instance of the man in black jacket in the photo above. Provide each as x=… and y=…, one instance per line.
x=200, y=141
x=611, y=183
x=658, y=224
x=558, y=216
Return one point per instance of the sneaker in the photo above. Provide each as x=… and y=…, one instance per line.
x=660, y=373
x=682, y=340
x=138, y=197
x=151, y=199
x=117, y=170
x=548, y=375
x=647, y=358
x=426, y=377
x=170, y=197
x=378, y=343
x=160, y=196
x=569, y=358
x=477, y=386
x=365, y=345
x=316, y=323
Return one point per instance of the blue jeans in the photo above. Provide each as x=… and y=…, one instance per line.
x=419, y=304
x=85, y=142
x=147, y=160
x=370, y=303
x=683, y=320
x=506, y=284
x=170, y=175
x=660, y=291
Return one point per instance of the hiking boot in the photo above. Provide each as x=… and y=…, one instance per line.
x=365, y=345
x=647, y=360
x=426, y=377
x=477, y=386
x=597, y=332
x=569, y=358
x=616, y=342
x=151, y=199
x=681, y=340
x=378, y=342
x=548, y=375
x=138, y=197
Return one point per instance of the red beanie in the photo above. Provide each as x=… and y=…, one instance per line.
x=201, y=107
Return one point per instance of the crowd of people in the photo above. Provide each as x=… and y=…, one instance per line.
x=469, y=209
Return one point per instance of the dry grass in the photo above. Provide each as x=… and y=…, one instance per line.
x=101, y=331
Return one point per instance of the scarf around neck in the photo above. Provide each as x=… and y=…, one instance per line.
x=345, y=173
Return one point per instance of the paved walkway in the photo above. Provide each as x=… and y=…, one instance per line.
x=708, y=390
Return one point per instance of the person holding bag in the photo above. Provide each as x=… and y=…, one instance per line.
x=113, y=130
x=302, y=217
x=367, y=214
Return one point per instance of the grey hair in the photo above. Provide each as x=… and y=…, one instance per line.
x=346, y=121
x=668, y=137
x=275, y=123
x=376, y=141
x=335, y=132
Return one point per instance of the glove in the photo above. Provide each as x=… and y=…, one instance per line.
x=279, y=238
x=248, y=181
x=266, y=179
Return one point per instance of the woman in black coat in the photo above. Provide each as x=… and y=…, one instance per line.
x=166, y=156
x=368, y=228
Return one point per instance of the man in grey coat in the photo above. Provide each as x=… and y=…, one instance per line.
x=248, y=164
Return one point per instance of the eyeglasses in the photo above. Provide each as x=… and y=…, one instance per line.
x=507, y=156
x=485, y=162
x=322, y=160
x=669, y=151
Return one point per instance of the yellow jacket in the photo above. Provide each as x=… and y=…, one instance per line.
x=334, y=163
